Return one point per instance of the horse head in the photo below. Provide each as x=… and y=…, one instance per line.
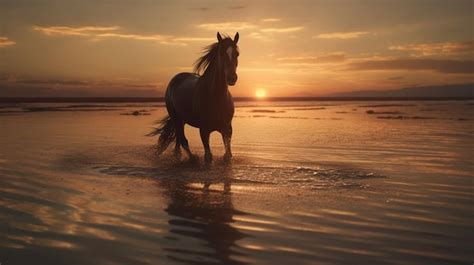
x=228, y=54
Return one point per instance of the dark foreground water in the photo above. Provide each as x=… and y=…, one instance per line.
x=310, y=183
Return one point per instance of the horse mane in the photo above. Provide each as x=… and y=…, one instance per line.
x=210, y=53
x=207, y=69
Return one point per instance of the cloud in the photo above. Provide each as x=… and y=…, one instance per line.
x=98, y=33
x=281, y=30
x=282, y=70
x=74, y=31
x=259, y=36
x=4, y=42
x=14, y=86
x=259, y=32
x=7, y=90
x=159, y=38
x=341, y=35
x=436, y=48
x=266, y=34
x=51, y=82
x=324, y=58
x=190, y=39
x=441, y=66
x=271, y=19
x=226, y=26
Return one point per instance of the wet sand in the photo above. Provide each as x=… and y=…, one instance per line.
x=310, y=183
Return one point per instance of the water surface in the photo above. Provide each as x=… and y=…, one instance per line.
x=310, y=183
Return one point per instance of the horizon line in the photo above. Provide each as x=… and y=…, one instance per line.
x=162, y=99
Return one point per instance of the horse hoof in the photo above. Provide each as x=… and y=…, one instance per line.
x=227, y=157
x=193, y=158
x=208, y=158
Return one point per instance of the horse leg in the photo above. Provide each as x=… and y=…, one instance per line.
x=226, y=138
x=181, y=140
x=177, y=148
x=205, y=141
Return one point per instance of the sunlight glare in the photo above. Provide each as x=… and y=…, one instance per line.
x=260, y=93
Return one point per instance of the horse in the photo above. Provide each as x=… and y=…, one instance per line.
x=202, y=99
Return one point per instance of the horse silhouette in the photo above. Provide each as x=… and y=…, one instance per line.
x=202, y=99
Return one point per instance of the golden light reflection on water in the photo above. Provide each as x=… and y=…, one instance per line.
x=315, y=228
x=252, y=246
x=95, y=232
x=253, y=228
x=307, y=214
x=54, y=243
x=338, y=212
x=291, y=249
x=417, y=218
x=11, y=245
x=24, y=239
x=254, y=220
x=30, y=227
x=353, y=250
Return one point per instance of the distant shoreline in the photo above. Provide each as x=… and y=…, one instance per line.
x=271, y=99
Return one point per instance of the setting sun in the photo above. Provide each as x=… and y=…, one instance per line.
x=260, y=93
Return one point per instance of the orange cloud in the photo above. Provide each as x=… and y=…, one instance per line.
x=324, y=58
x=441, y=66
x=436, y=48
x=341, y=35
x=259, y=36
x=226, y=26
x=281, y=30
x=158, y=38
x=270, y=19
x=4, y=42
x=236, y=26
x=97, y=33
x=186, y=39
x=74, y=31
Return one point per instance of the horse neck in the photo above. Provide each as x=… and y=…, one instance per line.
x=216, y=83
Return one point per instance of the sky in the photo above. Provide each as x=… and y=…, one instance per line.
x=287, y=48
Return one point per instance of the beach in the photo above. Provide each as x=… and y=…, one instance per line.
x=311, y=182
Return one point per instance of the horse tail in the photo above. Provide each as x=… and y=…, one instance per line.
x=167, y=132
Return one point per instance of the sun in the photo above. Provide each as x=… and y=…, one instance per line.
x=260, y=93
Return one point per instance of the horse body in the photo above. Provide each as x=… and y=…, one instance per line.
x=202, y=101
x=179, y=98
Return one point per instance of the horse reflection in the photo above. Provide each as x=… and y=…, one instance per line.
x=199, y=211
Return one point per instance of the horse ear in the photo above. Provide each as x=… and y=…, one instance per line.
x=236, y=38
x=219, y=37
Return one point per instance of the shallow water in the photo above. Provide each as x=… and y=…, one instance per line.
x=310, y=183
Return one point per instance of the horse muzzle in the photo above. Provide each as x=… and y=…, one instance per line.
x=231, y=81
